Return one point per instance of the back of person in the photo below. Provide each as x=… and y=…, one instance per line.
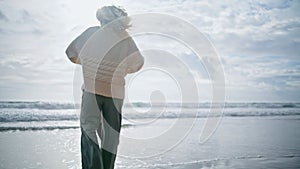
x=107, y=54
x=105, y=66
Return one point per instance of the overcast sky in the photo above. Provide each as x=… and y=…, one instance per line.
x=258, y=43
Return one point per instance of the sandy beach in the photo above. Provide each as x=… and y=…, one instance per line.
x=239, y=142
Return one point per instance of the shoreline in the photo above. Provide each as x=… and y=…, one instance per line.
x=241, y=142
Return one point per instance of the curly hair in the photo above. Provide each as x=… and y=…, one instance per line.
x=114, y=15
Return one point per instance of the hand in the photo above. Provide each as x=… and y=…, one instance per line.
x=75, y=60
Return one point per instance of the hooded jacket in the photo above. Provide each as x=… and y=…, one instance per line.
x=107, y=55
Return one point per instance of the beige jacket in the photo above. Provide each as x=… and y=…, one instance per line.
x=106, y=56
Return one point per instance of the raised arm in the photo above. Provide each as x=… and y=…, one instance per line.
x=77, y=44
x=135, y=58
x=72, y=52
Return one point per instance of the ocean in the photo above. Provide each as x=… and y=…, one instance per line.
x=49, y=116
x=249, y=135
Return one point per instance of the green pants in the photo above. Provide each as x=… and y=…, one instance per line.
x=99, y=115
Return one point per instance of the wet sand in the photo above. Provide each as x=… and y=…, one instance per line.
x=239, y=142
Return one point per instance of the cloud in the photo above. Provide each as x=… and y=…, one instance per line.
x=3, y=17
x=257, y=75
x=258, y=42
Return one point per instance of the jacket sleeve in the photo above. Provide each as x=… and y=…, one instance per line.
x=73, y=52
x=76, y=45
x=135, y=58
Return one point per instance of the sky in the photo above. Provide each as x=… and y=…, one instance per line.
x=257, y=41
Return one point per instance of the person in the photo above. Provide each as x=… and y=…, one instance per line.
x=107, y=54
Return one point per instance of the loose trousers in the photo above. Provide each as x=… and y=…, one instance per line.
x=99, y=115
